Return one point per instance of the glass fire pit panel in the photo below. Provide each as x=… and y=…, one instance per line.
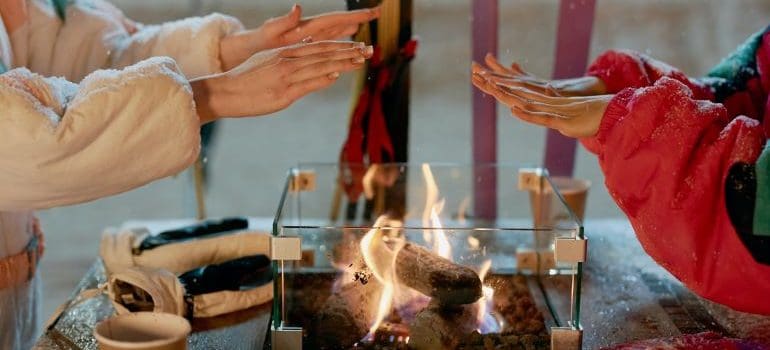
x=424, y=256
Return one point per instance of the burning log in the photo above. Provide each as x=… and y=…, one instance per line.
x=347, y=314
x=442, y=327
x=444, y=281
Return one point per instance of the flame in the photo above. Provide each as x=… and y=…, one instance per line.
x=430, y=216
x=486, y=321
x=379, y=250
x=381, y=260
x=462, y=210
x=368, y=181
x=440, y=242
x=473, y=242
x=431, y=197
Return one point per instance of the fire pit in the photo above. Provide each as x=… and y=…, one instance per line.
x=425, y=257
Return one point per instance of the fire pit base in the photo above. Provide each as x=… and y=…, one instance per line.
x=521, y=324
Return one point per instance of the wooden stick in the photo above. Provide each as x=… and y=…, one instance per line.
x=200, y=201
x=444, y=281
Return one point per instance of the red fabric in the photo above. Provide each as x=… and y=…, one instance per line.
x=620, y=69
x=665, y=152
x=378, y=140
x=352, y=155
x=665, y=157
x=374, y=144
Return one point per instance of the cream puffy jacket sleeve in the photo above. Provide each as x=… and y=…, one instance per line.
x=94, y=36
x=192, y=42
x=64, y=143
x=91, y=132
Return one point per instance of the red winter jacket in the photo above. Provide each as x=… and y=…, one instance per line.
x=666, y=149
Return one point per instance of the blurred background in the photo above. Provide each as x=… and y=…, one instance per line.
x=251, y=156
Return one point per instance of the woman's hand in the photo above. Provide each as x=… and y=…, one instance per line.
x=272, y=80
x=572, y=116
x=291, y=29
x=515, y=76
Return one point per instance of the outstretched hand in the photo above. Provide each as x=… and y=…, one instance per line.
x=291, y=29
x=574, y=116
x=274, y=79
x=515, y=76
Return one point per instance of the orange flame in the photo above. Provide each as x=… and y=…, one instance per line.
x=462, y=210
x=431, y=195
x=484, y=319
x=430, y=216
x=379, y=251
x=381, y=260
x=440, y=242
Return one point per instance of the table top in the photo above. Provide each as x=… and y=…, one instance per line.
x=626, y=297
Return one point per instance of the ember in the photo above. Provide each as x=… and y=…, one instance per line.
x=362, y=277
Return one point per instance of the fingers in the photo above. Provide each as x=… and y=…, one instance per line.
x=346, y=31
x=529, y=100
x=546, y=119
x=495, y=66
x=356, y=54
x=331, y=25
x=482, y=84
x=326, y=64
x=476, y=68
x=300, y=50
x=513, y=76
x=339, y=18
x=498, y=68
x=299, y=89
x=532, y=95
x=564, y=106
x=491, y=89
x=285, y=22
x=521, y=82
x=338, y=33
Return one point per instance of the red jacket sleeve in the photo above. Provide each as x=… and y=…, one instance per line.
x=620, y=69
x=665, y=156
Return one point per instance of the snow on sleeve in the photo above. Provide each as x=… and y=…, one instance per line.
x=65, y=144
x=620, y=69
x=192, y=42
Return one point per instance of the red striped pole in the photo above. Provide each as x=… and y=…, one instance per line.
x=573, y=44
x=484, y=40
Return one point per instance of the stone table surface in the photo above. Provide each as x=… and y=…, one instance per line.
x=626, y=297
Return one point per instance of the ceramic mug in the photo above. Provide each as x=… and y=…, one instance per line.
x=143, y=331
x=546, y=208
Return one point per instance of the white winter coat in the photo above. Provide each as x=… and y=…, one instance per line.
x=72, y=129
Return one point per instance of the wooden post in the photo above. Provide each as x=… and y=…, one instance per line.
x=573, y=43
x=389, y=33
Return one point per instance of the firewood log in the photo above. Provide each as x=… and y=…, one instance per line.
x=442, y=326
x=347, y=314
x=444, y=281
